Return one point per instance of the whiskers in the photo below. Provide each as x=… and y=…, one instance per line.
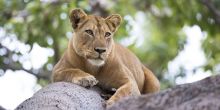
x=89, y=53
x=92, y=54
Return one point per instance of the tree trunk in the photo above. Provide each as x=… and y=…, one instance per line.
x=64, y=96
x=201, y=95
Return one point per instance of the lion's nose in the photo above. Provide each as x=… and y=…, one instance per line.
x=100, y=50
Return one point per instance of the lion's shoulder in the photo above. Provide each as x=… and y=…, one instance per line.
x=125, y=55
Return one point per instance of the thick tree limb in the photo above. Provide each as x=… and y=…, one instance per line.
x=64, y=96
x=201, y=95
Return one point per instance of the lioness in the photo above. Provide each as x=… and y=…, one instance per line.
x=92, y=57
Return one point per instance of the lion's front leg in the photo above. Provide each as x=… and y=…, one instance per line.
x=76, y=76
x=128, y=89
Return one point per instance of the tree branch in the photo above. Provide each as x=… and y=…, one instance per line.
x=97, y=8
x=40, y=73
x=56, y=49
x=65, y=96
x=211, y=7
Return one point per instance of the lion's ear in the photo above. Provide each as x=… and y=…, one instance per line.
x=76, y=16
x=115, y=21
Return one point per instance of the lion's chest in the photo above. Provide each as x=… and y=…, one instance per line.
x=91, y=69
x=110, y=79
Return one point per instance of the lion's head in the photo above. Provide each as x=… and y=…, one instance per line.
x=93, y=35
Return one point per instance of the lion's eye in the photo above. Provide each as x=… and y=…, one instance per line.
x=89, y=32
x=107, y=34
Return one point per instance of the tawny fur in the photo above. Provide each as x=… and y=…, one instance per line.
x=116, y=68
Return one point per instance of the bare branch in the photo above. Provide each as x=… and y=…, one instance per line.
x=210, y=5
x=97, y=8
x=39, y=75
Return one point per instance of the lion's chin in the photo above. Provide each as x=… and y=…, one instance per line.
x=96, y=62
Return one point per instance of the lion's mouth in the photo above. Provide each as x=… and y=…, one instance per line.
x=99, y=57
x=96, y=62
x=96, y=57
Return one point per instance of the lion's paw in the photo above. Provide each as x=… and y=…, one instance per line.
x=87, y=81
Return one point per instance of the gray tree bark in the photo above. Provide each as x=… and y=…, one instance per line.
x=64, y=96
x=201, y=95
